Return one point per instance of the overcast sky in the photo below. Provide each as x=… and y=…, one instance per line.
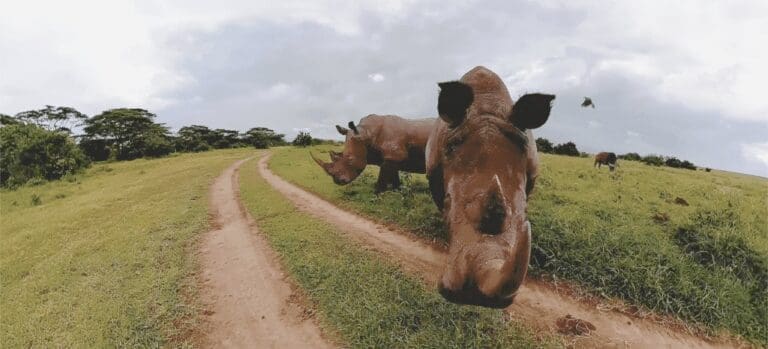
x=681, y=78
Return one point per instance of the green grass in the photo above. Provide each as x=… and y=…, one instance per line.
x=102, y=259
x=363, y=298
x=707, y=264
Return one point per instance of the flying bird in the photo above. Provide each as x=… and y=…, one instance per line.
x=587, y=103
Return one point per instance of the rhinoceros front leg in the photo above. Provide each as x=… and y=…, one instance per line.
x=395, y=179
x=387, y=175
x=381, y=183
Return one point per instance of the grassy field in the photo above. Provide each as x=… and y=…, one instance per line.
x=618, y=234
x=363, y=298
x=100, y=259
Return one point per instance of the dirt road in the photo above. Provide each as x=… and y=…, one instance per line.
x=249, y=303
x=537, y=304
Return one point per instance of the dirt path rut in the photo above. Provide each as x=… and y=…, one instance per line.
x=536, y=304
x=248, y=301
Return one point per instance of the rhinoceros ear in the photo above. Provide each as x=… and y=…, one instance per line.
x=531, y=110
x=342, y=130
x=353, y=127
x=455, y=97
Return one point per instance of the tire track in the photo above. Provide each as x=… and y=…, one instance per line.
x=249, y=301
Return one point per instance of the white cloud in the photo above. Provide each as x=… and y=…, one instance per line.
x=376, y=77
x=94, y=55
x=757, y=152
x=705, y=55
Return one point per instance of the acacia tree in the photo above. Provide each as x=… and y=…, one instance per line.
x=129, y=133
x=302, y=139
x=262, y=138
x=53, y=118
x=222, y=138
x=193, y=138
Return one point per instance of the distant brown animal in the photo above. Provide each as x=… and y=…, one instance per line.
x=391, y=142
x=482, y=165
x=606, y=159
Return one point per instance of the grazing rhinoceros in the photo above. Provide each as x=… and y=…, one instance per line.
x=605, y=159
x=391, y=142
x=482, y=164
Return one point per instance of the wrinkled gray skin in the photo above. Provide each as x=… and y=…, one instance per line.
x=391, y=142
x=482, y=164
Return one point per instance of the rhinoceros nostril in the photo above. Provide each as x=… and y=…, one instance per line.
x=494, y=213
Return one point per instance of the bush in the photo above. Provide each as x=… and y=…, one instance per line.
x=568, y=149
x=29, y=151
x=544, y=145
x=303, y=139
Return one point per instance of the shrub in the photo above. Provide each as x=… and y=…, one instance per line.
x=29, y=151
x=36, y=200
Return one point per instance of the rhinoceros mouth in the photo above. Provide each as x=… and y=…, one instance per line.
x=470, y=294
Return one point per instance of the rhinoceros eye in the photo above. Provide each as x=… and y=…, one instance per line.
x=452, y=145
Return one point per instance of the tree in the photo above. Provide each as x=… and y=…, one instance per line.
x=262, y=138
x=303, y=139
x=53, y=118
x=653, y=160
x=222, y=139
x=129, y=133
x=568, y=148
x=28, y=151
x=543, y=145
x=677, y=163
x=630, y=156
x=8, y=120
x=193, y=138
x=688, y=165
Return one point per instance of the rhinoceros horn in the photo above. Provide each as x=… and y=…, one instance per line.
x=325, y=166
x=334, y=155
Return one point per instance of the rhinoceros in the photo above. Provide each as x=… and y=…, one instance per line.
x=605, y=158
x=482, y=164
x=391, y=142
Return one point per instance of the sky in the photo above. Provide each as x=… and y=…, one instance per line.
x=679, y=78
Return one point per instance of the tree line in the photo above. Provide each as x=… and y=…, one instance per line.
x=570, y=149
x=41, y=145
